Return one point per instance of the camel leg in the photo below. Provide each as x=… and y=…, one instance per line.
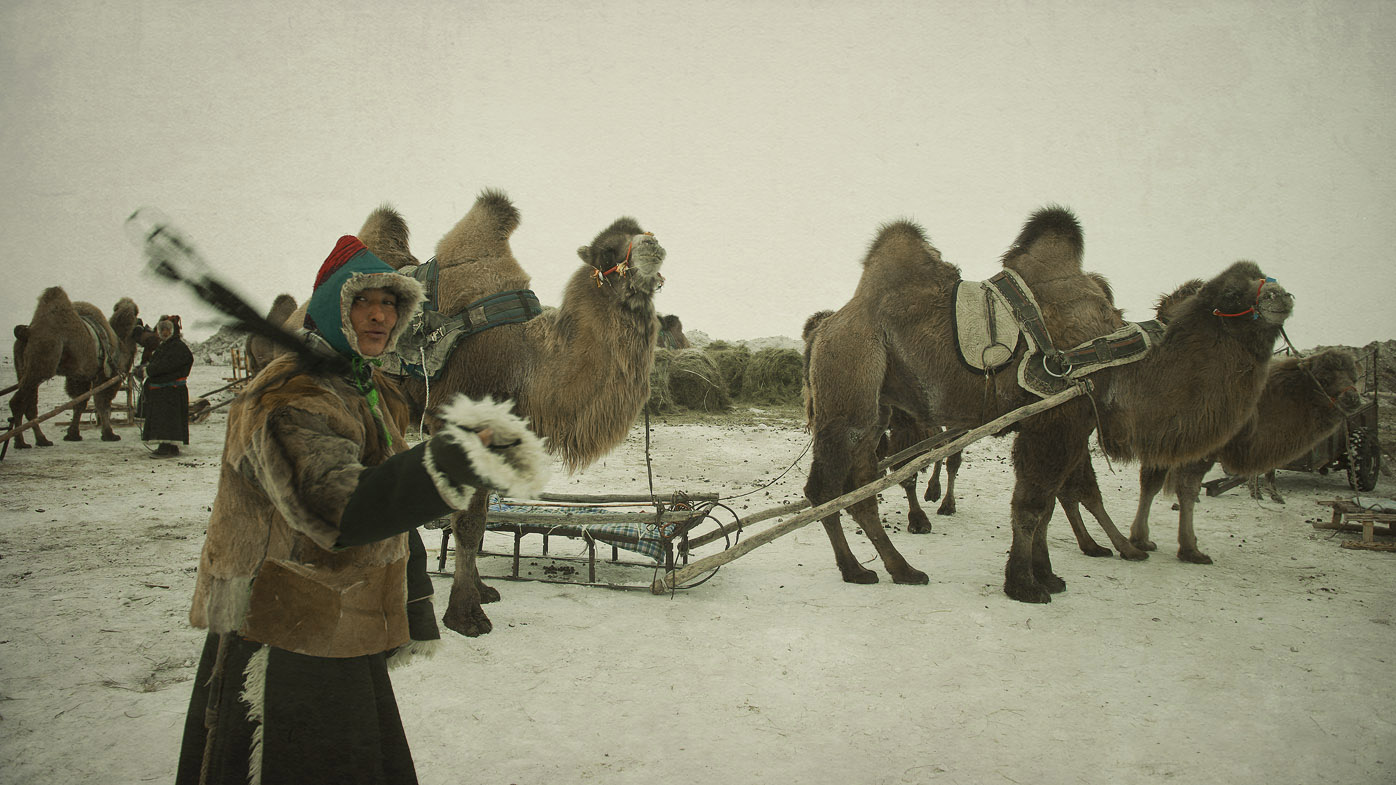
x=463, y=612
x=866, y=515
x=933, y=485
x=917, y=522
x=952, y=470
x=1150, y=483
x=1274, y=489
x=828, y=470
x=24, y=406
x=1084, y=541
x=101, y=403
x=1189, y=481
x=74, y=388
x=1037, y=465
x=1082, y=488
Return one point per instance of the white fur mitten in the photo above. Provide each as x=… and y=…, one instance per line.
x=515, y=463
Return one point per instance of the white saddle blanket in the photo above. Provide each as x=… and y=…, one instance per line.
x=986, y=333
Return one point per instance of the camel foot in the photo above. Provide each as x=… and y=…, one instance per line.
x=472, y=623
x=487, y=593
x=1052, y=583
x=911, y=577
x=23, y=446
x=1143, y=544
x=1132, y=553
x=1194, y=557
x=918, y=523
x=1096, y=550
x=1026, y=591
x=111, y=437
x=1276, y=498
x=73, y=437
x=946, y=508
x=862, y=576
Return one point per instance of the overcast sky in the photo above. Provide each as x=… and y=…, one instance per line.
x=763, y=142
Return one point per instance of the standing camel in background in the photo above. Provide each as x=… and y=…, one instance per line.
x=1304, y=401
x=579, y=373
x=892, y=344
x=76, y=341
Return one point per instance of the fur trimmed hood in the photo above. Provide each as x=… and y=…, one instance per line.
x=350, y=269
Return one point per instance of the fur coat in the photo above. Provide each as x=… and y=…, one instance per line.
x=295, y=447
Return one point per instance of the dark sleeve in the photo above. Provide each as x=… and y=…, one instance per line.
x=395, y=496
x=171, y=360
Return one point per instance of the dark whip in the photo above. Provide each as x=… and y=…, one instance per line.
x=170, y=255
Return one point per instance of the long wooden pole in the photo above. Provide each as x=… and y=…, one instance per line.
x=9, y=389
x=665, y=583
x=70, y=404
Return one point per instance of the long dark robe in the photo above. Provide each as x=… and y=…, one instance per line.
x=166, y=397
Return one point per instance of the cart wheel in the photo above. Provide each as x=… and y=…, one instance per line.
x=1364, y=457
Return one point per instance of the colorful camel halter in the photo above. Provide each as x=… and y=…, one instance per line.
x=1251, y=311
x=620, y=268
x=995, y=318
x=426, y=345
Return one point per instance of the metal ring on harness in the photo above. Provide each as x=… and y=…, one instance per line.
x=1067, y=370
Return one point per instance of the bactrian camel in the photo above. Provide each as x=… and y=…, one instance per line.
x=892, y=345
x=579, y=372
x=76, y=341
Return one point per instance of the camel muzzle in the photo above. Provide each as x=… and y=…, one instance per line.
x=1273, y=303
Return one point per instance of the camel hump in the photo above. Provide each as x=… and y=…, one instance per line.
x=385, y=234
x=22, y=332
x=902, y=230
x=282, y=307
x=1331, y=362
x=54, y=296
x=812, y=323
x=483, y=232
x=1050, y=239
x=1167, y=306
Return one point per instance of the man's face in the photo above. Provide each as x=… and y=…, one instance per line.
x=373, y=314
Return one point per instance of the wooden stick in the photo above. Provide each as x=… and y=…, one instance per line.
x=9, y=389
x=49, y=415
x=920, y=447
x=668, y=581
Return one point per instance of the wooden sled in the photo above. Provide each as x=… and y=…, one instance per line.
x=1349, y=517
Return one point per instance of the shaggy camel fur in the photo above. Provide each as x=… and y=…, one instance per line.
x=901, y=430
x=1303, y=401
x=579, y=373
x=892, y=344
x=259, y=350
x=671, y=333
x=57, y=342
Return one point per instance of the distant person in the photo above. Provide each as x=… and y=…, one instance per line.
x=312, y=572
x=165, y=397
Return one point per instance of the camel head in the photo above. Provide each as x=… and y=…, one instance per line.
x=1243, y=291
x=124, y=316
x=626, y=259
x=145, y=337
x=1335, y=372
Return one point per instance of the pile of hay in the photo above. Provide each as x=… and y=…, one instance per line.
x=774, y=376
x=686, y=379
x=731, y=362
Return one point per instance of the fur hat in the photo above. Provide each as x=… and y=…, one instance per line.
x=350, y=269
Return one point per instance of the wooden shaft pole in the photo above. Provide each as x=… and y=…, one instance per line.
x=668, y=581
x=70, y=404
x=9, y=389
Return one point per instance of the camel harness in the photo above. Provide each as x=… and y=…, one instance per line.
x=994, y=318
x=426, y=345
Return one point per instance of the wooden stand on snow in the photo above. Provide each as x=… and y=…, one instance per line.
x=239, y=366
x=1348, y=517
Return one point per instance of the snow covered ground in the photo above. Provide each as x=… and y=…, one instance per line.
x=1273, y=665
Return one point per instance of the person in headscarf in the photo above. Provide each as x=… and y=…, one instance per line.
x=165, y=399
x=312, y=575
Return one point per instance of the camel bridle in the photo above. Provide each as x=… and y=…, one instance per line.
x=1251, y=311
x=620, y=268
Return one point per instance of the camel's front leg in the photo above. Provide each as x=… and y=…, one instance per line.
x=865, y=514
x=1083, y=488
x=1084, y=541
x=102, y=405
x=826, y=476
x=1189, y=481
x=1150, y=483
x=917, y=522
x=463, y=612
x=952, y=470
x=73, y=434
x=1041, y=462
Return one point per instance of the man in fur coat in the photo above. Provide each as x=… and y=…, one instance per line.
x=166, y=395
x=312, y=573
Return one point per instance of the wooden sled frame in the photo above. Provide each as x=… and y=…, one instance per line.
x=1349, y=517
x=670, y=523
